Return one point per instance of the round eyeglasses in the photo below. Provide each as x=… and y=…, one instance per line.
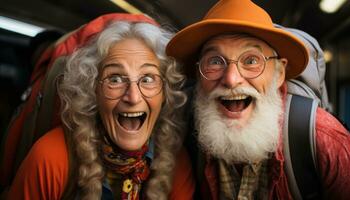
x=250, y=64
x=115, y=86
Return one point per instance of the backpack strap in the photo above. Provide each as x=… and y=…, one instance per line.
x=299, y=147
x=49, y=90
x=39, y=122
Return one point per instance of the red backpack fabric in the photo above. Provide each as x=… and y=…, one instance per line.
x=40, y=111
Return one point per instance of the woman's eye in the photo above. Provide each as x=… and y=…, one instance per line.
x=148, y=79
x=115, y=79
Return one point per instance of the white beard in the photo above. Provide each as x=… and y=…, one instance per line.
x=225, y=138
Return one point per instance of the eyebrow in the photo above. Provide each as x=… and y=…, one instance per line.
x=216, y=49
x=208, y=49
x=254, y=45
x=118, y=65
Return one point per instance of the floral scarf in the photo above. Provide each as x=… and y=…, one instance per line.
x=126, y=170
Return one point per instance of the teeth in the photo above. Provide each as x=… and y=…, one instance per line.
x=136, y=114
x=235, y=97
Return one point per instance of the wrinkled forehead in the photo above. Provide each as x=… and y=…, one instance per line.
x=236, y=41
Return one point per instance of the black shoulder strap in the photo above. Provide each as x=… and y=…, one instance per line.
x=299, y=147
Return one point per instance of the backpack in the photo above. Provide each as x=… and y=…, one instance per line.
x=305, y=93
x=39, y=111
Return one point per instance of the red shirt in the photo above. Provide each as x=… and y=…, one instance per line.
x=333, y=158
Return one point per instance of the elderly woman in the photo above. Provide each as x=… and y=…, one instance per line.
x=120, y=137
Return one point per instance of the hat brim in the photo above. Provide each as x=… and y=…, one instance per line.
x=186, y=44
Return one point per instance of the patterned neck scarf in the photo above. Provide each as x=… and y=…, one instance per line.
x=126, y=170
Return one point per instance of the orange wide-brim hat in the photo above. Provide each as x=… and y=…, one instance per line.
x=232, y=17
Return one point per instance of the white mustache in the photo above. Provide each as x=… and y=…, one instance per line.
x=219, y=92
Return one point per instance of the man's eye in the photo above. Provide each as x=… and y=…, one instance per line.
x=251, y=60
x=216, y=60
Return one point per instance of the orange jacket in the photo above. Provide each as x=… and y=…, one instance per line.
x=44, y=172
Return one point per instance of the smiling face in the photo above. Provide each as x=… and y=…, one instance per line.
x=237, y=105
x=238, y=118
x=129, y=119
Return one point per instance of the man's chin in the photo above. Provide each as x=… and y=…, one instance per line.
x=233, y=142
x=233, y=124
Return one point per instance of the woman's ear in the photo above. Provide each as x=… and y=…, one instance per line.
x=281, y=71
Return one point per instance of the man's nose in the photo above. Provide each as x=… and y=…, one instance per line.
x=132, y=94
x=231, y=77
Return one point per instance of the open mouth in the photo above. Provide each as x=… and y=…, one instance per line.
x=236, y=103
x=132, y=121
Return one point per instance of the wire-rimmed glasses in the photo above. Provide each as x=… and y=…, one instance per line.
x=114, y=86
x=250, y=64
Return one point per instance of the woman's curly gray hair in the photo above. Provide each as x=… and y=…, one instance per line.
x=79, y=109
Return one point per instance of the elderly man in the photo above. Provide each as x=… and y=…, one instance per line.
x=241, y=63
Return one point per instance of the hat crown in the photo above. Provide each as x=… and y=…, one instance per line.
x=239, y=10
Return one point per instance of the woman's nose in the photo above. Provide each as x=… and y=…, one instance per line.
x=132, y=94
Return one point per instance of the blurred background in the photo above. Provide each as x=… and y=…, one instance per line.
x=327, y=21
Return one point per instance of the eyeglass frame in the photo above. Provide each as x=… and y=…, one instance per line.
x=162, y=81
x=229, y=61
